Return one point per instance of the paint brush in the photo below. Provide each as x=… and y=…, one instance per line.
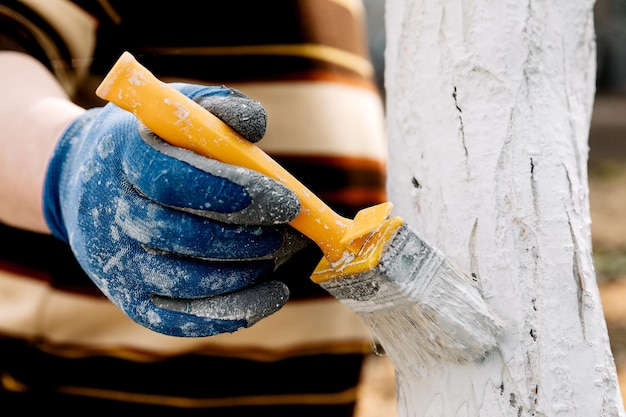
x=417, y=304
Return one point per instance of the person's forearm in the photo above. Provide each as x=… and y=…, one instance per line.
x=34, y=112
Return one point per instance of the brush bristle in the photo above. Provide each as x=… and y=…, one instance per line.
x=451, y=322
x=421, y=309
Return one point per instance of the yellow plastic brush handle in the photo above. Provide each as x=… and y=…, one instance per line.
x=182, y=122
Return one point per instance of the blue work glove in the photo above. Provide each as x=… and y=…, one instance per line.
x=183, y=244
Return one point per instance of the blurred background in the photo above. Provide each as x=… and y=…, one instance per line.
x=607, y=188
x=607, y=173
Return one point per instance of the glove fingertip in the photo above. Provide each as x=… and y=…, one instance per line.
x=171, y=322
x=246, y=116
x=224, y=313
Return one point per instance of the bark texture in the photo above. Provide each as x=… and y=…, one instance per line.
x=489, y=105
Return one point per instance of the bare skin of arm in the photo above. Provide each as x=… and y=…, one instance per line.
x=34, y=112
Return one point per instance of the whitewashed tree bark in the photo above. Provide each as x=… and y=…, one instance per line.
x=489, y=105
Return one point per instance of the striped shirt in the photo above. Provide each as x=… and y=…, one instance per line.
x=64, y=346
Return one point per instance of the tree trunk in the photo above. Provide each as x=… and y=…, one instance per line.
x=489, y=105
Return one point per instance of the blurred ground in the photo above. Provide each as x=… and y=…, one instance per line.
x=607, y=195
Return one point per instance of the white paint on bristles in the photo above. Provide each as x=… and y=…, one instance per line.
x=419, y=307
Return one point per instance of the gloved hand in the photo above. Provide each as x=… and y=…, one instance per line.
x=184, y=245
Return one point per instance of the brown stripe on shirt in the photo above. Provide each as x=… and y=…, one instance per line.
x=242, y=40
x=344, y=183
